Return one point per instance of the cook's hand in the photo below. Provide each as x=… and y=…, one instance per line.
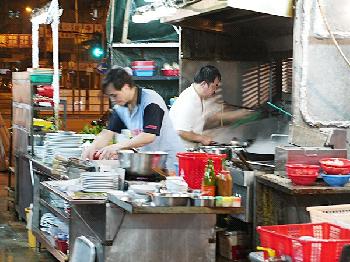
x=88, y=152
x=206, y=140
x=108, y=152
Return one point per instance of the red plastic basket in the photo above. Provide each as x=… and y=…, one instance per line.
x=192, y=166
x=325, y=241
x=333, y=169
x=301, y=169
x=304, y=180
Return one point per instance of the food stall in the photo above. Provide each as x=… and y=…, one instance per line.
x=82, y=201
x=252, y=45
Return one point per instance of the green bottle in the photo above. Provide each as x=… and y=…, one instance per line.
x=209, y=181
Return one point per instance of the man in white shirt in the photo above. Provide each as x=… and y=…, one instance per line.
x=187, y=113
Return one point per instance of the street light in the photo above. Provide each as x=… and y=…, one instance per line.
x=29, y=9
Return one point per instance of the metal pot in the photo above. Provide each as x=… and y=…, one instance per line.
x=124, y=157
x=217, y=150
x=169, y=199
x=142, y=163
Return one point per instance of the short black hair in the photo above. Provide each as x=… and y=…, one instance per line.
x=207, y=74
x=118, y=77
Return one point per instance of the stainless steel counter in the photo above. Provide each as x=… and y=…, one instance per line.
x=123, y=232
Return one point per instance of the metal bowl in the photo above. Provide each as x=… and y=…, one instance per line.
x=142, y=163
x=203, y=201
x=169, y=199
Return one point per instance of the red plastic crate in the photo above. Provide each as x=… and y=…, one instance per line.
x=143, y=68
x=170, y=72
x=325, y=246
x=143, y=63
x=302, y=169
x=192, y=166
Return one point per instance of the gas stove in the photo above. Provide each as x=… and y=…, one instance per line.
x=149, y=178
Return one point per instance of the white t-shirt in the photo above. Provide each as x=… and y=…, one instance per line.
x=187, y=113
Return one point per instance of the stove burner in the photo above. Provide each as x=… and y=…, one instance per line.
x=150, y=178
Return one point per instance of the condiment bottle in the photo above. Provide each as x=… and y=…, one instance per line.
x=224, y=182
x=209, y=181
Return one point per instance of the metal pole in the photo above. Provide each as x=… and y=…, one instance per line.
x=110, y=42
x=76, y=13
x=126, y=21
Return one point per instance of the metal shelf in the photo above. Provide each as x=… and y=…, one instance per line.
x=22, y=105
x=40, y=83
x=173, y=209
x=155, y=78
x=43, y=239
x=55, y=210
x=72, y=201
x=43, y=108
x=143, y=45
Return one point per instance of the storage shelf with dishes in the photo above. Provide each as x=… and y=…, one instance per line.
x=51, y=221
x=150, y=69
x=159, y=54
x=45, y=240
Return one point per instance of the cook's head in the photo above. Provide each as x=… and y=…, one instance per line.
x=118, y=85
x=209, y=78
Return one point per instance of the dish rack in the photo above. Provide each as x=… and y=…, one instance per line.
x=336, y=214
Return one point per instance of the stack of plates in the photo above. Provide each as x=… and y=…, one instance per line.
x=39, y=151
x=64, y=144
x=99, y=181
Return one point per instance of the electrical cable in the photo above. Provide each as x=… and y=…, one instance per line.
x=331, y=34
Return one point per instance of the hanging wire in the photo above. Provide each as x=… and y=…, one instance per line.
x=330, y=33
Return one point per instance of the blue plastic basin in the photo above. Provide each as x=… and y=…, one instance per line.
x=336, y=180
x=144, y=72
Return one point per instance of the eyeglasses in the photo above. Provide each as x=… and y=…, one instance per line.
x=214, y=86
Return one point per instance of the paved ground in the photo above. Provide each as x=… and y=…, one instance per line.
x=13, y=234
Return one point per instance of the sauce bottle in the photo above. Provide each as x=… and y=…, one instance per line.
x=224, y=182
x=209, y=181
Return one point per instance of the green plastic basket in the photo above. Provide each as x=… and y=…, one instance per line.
x=42, y=78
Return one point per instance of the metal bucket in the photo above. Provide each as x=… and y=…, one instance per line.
x=142, y=163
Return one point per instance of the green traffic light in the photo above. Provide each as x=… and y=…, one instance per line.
x=97, y=52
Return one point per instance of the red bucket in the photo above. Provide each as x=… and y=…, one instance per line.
x=192, y=165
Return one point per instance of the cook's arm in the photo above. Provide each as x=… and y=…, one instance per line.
x=194, y=137
x=140, y=140
x=226, y=118
x=101, y=140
